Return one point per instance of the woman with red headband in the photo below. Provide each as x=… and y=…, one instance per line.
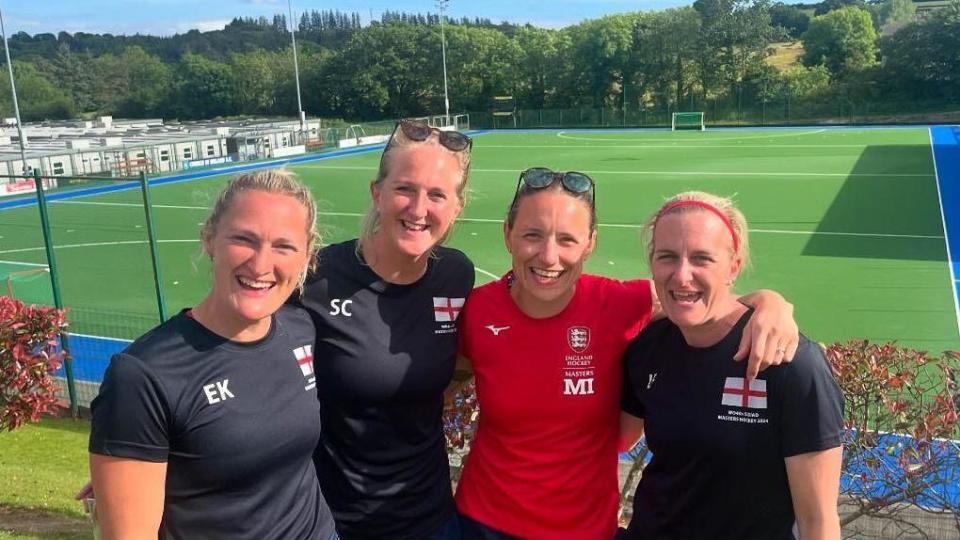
x=724, y=443
x=545, y=343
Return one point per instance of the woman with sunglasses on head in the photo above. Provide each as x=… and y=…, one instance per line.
x=725, y=445
x=385, y=307
x=545, y=343
x=205, y=427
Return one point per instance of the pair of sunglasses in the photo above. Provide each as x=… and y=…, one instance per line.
x=574, y=182
x=419, y=132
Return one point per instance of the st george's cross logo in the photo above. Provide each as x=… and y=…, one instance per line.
x=578, y=337
x=738, y=392
x=304, y=356
x=446, y=309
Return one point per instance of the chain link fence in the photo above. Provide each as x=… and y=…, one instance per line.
x=727, y=113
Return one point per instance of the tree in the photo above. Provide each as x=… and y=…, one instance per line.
x=254, y=85
x=895, y=12
x=800, y=81
x=921, y=59
x=601, y=54
x=203, y=88
x=539, y=65
x=134, y=84
x=481, y=63
x=311, y=60
x=664, y=56
x=39, y=98
x=790, y=18
x=734, y=36
x=72, y=71
x=829, y=5
x=388, y=70
x=844, y=40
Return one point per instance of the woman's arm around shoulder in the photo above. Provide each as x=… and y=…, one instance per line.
x=771, y=336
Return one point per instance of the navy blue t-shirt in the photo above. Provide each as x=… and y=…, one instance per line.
x=385, y=354
x=236, y=423
x=718, y=442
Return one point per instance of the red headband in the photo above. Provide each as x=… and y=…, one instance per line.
x=706, y=206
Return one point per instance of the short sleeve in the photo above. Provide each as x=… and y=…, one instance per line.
x=812, y=403
x=463, y=329
x=636, y=304
x=629, y=401
x=131, y=413
x=471, y=273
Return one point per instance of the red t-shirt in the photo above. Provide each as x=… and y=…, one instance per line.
x=543, y=464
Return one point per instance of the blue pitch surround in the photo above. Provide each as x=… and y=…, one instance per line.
x=91, y=356
x=945, y=143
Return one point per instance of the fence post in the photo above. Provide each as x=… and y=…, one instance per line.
x=55, y=287
x=154, y=251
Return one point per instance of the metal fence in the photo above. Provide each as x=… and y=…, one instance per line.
x=88, y=350
x=726, y=113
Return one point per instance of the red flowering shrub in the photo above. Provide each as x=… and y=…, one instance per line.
x=902, y=420
x=459, y=424
x=29, y=354
x=460, y=418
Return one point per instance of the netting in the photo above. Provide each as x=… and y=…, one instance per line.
x=687, y=120
x=724, y=113
x=27, y=282
x=101, y=261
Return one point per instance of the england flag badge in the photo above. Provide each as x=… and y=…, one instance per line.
x=738, y=392
x=446, y=309
x=304, y=357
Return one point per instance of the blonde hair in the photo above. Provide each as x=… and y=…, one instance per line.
x=277, y=181
x=399, y=142
x=724, y=205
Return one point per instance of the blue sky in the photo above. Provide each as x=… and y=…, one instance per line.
x=167, y=17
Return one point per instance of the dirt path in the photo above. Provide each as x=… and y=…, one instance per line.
x=39, y=522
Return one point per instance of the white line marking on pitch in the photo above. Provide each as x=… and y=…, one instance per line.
x=672, y=173
x=88, y=336
x=610, y=225
x=40, y=265
x=943, y=220
x=99, y=244
x=673, y=146
x=497, y=221
x=138, y=205
x=563, y=135
x=482, y=271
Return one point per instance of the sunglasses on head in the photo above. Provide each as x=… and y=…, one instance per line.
x=419, y=132
x=572, y=181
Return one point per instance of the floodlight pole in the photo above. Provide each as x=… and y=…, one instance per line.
x=442, y=4
x=13, y=94
x=296, y=69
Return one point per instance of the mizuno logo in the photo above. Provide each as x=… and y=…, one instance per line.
x=496, y=329
x=650, y=378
